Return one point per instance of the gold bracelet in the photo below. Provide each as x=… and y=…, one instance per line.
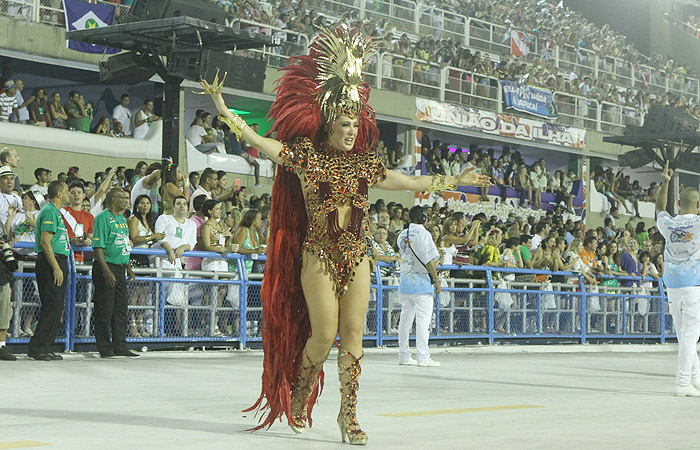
x=236, y=125
x=438, y=184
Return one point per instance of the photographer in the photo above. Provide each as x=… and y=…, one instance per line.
x=8, y=265
x=53, y=247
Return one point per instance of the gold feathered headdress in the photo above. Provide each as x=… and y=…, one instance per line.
x=340, y=57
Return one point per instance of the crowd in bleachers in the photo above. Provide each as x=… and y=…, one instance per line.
x=76, y=114
x=554, y=243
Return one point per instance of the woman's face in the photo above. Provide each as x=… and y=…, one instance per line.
x=179, y=175
x=633, y=246
x=28, y=203
x=86, y=205
x=230, y=221
x=144, y=206
x=452, y=229
x=435, y=232
x=613, y=248
x=221, y=181
x=562, y=246
x=141, y=170
x=381, y=235
x=343, y=133
x=56, y=97
x=216, y=211
x=550, y=242
x=257, y=223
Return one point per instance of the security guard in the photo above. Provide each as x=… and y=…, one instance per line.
x=112, y=247
x=53, y=248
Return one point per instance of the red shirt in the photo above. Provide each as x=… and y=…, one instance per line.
x=81, y=217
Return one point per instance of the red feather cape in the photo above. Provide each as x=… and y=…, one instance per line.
x=286, y=326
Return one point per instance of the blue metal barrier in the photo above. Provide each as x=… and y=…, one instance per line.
x=472, y=311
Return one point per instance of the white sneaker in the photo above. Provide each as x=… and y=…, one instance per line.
x=409, y=362
x=257, y=185
x=695, y=382
x=687, y=391
x=429, y=363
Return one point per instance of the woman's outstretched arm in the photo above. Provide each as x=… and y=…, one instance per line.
x=396, y=181
x=270, y=147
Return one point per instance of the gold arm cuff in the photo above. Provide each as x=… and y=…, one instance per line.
x=438, y=184
x=236, y=125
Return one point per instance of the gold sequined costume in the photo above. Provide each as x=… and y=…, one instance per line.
x=332, y=178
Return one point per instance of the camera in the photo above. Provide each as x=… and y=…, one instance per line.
x=8, y=257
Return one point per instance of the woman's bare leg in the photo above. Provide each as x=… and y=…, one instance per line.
x=353, y=308
x=322, y=304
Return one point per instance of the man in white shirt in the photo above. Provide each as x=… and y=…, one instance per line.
x=146, y=184
x=682, y=279
x=8, y=198
x=207, y=182
x=43, y=178
x=8, y=101
x=199, y=138
x=180, y=234
x=541, y=231
x=143, y=119
x=22, y=112
x=122, y=114
x=419, y=257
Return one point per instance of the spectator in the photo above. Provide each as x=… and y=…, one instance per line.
x=112, y=249
x=102, y=127
x=75, y=111
x=122, y=115
x=199, y=138
x=8, y=102
x=59, y=118
x=10, y=198
x=180, y=236
x=79, y=223
x=542, y=230
x=21, y=229
x=215, y=237
x=207, y=182
x=623, y=189
x=587, y=254
x=43, y=178
x=39, y=109
x=53, y=247
x=98, y=197
x=141, y=232
x=250, y=238
x=22, y=115
x=523, y=185
x=538, y=179
x=194, y=182
x=139, y=172
x=143, y=119
x=86, y=123
x=174, y=185
x=238, y=149
x=146, y=185
x=195, y=263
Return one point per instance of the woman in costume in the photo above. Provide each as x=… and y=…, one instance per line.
x=317, y=277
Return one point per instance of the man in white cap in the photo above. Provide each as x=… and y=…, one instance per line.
x=10, y=199
x=8, y=101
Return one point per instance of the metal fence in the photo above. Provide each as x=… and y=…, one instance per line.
x=477, y=302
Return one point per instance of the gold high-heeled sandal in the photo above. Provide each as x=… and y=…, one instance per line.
x=348, y=373
x=301, y=392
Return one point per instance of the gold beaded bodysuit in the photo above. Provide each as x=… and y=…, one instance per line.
x=332, y=178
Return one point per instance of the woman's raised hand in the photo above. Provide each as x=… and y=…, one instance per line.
x=215, y=87
x=469, y=177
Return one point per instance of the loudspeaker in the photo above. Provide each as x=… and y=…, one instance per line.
x=667, y=119
x=689, y=161
x=636, y=158
x=165, y=9
x=128, y=68
x=243, y=73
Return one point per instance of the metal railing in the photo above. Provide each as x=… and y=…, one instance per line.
x=225, y=308
x=293, y=43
